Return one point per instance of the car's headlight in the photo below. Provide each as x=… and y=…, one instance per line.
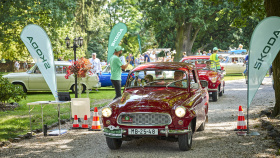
x=180, y=111
x=106, y=112
x=214, y=79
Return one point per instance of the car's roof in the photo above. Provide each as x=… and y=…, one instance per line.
x=236, y=55
x=196, y=57
x=164, y=66
x=62, y=63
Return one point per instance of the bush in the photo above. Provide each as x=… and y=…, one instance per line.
x=8, y=91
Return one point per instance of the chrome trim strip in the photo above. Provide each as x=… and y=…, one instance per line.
x=212, y=90
x=144, y=113
x=175, y=131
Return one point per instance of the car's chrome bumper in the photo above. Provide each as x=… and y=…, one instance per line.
x=118, y=132
x=212, y=90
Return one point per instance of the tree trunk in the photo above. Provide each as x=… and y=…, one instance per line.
x=272, y=9
x=179, y=43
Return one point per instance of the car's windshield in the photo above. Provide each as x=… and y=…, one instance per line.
x=32, y=69
x=158, y=78
x=204, y=64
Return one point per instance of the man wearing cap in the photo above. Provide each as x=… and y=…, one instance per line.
x=96, y=65
x=215, y=62
x=116, y=70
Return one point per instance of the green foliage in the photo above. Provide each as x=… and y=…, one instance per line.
x=16, y=14
x=8, y=91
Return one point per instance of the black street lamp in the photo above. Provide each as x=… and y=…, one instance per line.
x=77, y=42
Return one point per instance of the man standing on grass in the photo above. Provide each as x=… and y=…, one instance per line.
x=116, y=70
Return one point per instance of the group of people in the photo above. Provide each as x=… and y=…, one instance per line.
x=17, y=66
x=204, y=52
x=147, y=57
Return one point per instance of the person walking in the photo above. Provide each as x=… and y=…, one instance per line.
x=215, y=62
x=116, y=70
x=96, y=65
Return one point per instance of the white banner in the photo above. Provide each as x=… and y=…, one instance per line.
x=264, y=46
x=39, y=46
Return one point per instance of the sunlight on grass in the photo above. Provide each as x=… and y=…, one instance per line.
x=234, y=77
x=17, y=122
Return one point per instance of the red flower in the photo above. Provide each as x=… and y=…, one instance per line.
x=79, y=68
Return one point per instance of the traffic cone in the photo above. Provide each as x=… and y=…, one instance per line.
x=241, y=124
x=76, y=123
x=95, y=121
x=85, y=125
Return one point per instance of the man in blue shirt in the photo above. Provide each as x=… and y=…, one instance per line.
x=146, y=58
x=132, y=61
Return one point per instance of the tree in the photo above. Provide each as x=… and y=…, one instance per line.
x=272, y=9
x=16, y=14
x=185, y=16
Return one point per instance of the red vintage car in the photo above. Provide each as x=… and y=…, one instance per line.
x=163, y=100
x=206, y=72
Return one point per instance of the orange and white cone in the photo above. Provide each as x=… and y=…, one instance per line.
x=75, y=123
x=95, y=121
x=85, y=124
x=241, y=124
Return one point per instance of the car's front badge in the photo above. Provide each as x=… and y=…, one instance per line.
x=127, y=119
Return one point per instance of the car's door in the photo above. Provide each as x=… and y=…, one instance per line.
x=198, y=102
x=241, y=65
x=104, y=78
x=62, y=83
x=36, y=81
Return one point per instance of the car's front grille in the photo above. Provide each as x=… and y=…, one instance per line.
x=144, y=119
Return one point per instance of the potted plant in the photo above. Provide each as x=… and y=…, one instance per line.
x=79, y=68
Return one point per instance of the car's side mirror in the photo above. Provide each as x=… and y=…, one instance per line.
x=194, y=86
x=204, y=84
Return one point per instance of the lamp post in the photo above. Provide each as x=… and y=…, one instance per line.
x=76, y=43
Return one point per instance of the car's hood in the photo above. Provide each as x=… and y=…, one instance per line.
x=16, y=74
x=205, y=74
x=151, y=99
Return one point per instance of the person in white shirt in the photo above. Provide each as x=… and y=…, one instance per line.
x=17, y=66
x=96, y=65
x=153, y=57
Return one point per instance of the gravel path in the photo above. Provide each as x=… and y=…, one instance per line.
x=218, y=139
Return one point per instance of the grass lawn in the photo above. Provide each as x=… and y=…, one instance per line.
x=16, y=122
x=234, y=77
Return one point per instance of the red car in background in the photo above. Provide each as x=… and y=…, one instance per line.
x=206, y=72
x=163, y=100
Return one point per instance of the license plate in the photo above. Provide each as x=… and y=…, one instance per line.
x=143, y=131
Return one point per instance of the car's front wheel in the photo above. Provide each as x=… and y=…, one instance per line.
x=185, y=140
x=20, y=86
x=113, y=143
x=215, y=96
x=220, y=92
